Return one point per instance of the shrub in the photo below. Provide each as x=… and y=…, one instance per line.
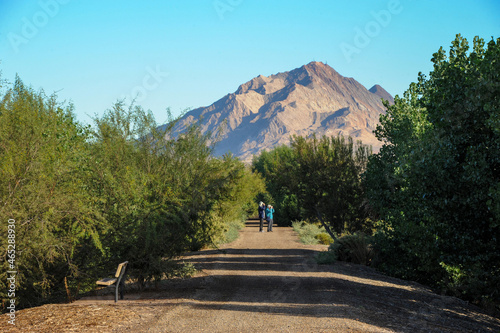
x=232, y=231
x=356, y=248
x=174, y=269
x=309, y=233
x=325, y=257
x=125, y=189
x=324, y=238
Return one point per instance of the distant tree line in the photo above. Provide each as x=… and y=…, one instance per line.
x=317, y=179
x=430, y=199
x=86, y=198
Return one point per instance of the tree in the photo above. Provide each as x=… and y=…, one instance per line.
x=43, y=173
x=329, y=172
x=85, y=199
x=278, y=168
x=317, y=179
x=435, y=183
x=161, y=194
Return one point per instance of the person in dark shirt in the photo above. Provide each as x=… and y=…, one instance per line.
x=262, y=215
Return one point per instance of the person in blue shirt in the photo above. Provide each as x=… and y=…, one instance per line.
x=269, y=217
x=262, y=215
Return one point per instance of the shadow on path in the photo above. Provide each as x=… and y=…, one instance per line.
x=253, y=276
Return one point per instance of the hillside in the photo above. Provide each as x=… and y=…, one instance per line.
x=266, y=111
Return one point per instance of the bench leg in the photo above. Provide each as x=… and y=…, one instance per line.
x=122, y=288
x=119, y=289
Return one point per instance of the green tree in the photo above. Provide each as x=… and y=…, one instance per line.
x=278, y=168
x=435, y=183
x=317, y=179
x=84, y=199
x=329, y=171
x=43, y=158
x=161, y=194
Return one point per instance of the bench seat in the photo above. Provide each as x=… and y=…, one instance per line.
x=106, y=281
x=118, y=281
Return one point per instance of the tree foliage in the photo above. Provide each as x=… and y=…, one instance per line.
x=170, y=194
x=42, y=181
x=435, y=183
x=87, y=198
x=317, y=179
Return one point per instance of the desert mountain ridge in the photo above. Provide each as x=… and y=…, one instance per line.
x=382, y=93
x=267, y=110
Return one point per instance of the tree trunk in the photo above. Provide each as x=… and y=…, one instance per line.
x=327, y=227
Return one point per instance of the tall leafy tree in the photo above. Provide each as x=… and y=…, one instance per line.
x=435, y=183
x=278, y=168
x=317, y=179
x=328, y=173
x=43, y=173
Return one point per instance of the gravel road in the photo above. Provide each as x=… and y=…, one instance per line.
x=266, y=282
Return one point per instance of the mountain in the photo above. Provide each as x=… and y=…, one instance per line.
x=382, y=93
x=266, y=111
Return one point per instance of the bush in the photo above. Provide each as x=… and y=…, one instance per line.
x=174, y=269
x=324, y=238
x=325, y=257
x=356, y=248
x=125, y=189
x=311, y=234
x=232, y=231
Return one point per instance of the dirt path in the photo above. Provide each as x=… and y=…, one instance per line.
x=267, y=282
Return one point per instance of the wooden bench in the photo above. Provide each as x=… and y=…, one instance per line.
x=118, y=281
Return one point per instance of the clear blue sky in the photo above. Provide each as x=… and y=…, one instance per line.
x=181, y=53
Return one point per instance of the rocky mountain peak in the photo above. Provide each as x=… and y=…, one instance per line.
x=267, y=110
x=382, y=93
x=317, y=68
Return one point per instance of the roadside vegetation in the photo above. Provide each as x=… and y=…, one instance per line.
x=427, y=206
x=317, y=179
x=310, y=233
x=435, y=185
x=85, y=198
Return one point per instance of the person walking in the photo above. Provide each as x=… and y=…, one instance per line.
x=262, y=215
x=269, y=217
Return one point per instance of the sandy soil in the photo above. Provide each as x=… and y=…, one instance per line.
x=265, y=282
